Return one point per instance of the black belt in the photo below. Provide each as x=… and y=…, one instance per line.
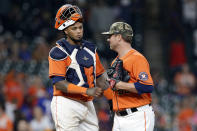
x=124, y=112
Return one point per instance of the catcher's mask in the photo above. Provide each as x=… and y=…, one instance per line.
x=67, y=15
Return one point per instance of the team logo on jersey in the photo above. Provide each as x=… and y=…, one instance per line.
x=143, y=76
x=85, y=58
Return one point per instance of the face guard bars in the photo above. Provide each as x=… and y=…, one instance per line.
x=68, y=17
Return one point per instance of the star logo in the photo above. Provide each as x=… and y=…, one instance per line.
x=143, y=76
x=85, y=58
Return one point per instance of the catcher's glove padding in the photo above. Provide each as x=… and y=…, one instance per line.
x=116, y=73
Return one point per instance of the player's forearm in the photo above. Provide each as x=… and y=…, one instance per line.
x=68, y=87
x=126, y=86
x=134, y=87
x=62, y=86
x=102, y=82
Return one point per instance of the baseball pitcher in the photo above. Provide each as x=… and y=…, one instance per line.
x=130, y=81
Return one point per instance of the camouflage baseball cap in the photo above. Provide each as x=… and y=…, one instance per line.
x=120, y=28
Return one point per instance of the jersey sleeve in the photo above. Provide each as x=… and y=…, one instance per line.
x=141, y=71
x=58, y=67
x=99, y=67
x=108, y=93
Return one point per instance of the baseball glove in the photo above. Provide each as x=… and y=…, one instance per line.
x=117, y=73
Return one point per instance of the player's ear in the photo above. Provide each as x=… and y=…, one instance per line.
x=119, y=36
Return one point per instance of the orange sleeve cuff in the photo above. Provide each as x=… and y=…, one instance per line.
x=72, y=88
x=108, y=93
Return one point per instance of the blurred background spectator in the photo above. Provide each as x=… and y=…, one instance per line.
x=164, y=31
x=6, y=124
x=23, y=125
x=40, y=122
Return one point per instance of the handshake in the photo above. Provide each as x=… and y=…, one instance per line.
x=96, y=91
x=115, y=73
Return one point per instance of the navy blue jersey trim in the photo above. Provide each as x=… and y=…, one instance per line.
x=141, y=88
x=98, y=76
x=55, y=79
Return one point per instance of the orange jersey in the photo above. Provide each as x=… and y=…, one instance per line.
x=14, y=93
x=79, y=65
x=137, y=66
x=5, y=123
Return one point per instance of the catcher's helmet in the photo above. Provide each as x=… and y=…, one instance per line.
x=67, y=15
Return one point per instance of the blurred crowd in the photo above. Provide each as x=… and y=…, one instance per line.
x=27, y=34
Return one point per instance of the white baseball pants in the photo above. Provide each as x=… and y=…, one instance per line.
x=70, y=115
x=141, y=120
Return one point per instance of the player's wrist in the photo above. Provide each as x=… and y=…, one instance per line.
x=118, y=85
x=87, y=91
x=90, y=91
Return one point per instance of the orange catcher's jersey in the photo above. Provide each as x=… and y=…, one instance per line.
x=79, y=65
x=138, y=68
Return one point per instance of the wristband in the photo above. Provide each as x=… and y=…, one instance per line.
x=72, y=88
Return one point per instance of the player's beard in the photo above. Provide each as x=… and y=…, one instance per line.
x=74, y=40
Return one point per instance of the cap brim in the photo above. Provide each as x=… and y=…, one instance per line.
x=106, y=33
